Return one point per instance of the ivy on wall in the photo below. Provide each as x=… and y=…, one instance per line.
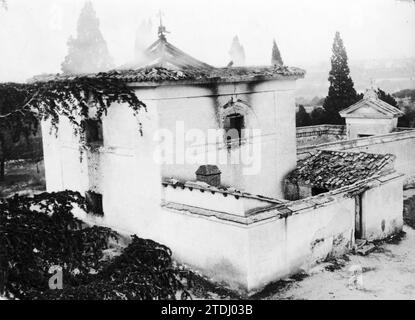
x=22, y=105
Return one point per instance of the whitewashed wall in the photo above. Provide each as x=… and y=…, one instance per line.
x=249, y=256
x=383, y=210
x=356, y=126
x=272, y=111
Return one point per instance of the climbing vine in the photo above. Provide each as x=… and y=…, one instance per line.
x=22, y=105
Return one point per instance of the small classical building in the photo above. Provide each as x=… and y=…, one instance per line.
x=370, y=116
x=218, y=204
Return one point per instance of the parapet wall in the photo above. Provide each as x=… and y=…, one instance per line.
x=401, y=144
x=200, y=195
x=279, y=239
x=313, y=135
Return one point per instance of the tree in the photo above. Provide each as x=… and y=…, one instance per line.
x=408, y=119
x=388, y=98
x=22, y=105
x=406, y=93
x=341, y=92
x=302, y=118
x=14, y=124
x=318, y=116
x=237, y=52
x=88, y=52
x=276, y=55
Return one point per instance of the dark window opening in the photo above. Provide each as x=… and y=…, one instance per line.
x=93, y=131
x=233, y=125
x=94, y=203
x=364, y=135
x=316, y=191
x=358, y=231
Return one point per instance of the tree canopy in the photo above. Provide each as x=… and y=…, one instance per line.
x=341, y=92
x=88, y=52
x=302, y=118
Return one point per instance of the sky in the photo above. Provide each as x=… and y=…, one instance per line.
x=34, y=34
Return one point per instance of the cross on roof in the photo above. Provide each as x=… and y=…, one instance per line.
x=162, y=29
x=371, y=91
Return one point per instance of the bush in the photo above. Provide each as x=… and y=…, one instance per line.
x=39, y=232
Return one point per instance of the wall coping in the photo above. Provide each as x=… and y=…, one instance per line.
x=202, y=187
x=359, y=142
x=283, y=208
x=321, y=126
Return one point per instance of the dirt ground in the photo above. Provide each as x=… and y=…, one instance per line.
x=386, y=273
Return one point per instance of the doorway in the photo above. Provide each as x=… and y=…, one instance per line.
x=358, y=230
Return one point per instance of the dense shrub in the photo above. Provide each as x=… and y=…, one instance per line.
x=39, y=232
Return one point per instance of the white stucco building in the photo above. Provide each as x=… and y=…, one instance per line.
x=370, y=116
x=229, y=218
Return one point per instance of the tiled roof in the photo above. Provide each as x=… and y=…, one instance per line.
x=335, y=169
x=156, y=74
x=166, y=63
x=380, y=108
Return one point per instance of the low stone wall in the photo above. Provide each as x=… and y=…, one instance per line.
x=276, y=241
x=313, y=135
x=234, y=203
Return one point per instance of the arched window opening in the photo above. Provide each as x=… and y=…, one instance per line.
x=233, y=125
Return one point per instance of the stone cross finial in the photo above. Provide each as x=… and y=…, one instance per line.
x=162, y=29
x=371, y=92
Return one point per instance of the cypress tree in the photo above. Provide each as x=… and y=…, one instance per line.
x=88, y=52
x=237, y=52
x=302, y=118
x=276, y=55
x=388, y=98
x=341, y=91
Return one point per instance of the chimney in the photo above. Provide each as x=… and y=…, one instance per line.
x=209, y=174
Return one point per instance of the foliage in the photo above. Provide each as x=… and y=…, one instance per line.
x=408, y=119
x=405, y=93
x=16, y=126
x=302, y=118
x=386, y=97
x=341, y=91
x=318, y=116
x=237, y=52
x=276, y=55
x=23, y=104
x=39, y=232
x=88, y=52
